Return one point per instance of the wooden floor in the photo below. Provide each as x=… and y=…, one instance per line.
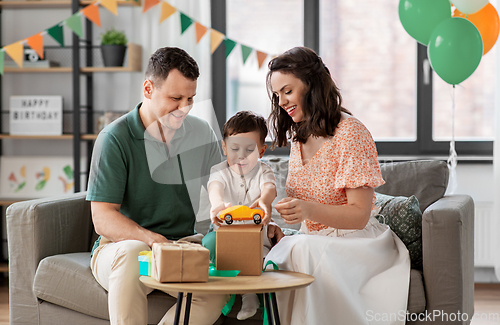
x=487, y=303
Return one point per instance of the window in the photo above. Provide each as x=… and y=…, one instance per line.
x=474, y=104
x=372, y=60
x=382, y=72
x=268, y=26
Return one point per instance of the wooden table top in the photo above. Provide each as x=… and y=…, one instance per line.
x=269, y=281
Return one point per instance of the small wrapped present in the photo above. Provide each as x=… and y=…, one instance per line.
x=145, y=261
x=180, y=262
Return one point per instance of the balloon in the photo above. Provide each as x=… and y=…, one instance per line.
x=420, y=17
x=455, y=50
x=469, y=6
x=487, y=23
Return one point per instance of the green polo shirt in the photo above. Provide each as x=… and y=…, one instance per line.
x=131, y=168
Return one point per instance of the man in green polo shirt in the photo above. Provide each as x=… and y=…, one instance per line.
x=146, y=174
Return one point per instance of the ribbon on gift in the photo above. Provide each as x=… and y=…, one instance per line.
x=212, y=271
x=265, y=321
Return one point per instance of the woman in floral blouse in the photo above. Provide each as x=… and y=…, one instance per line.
x=361, y=268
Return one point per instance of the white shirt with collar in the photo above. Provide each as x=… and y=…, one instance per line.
x=242, y=190
x=235, y=191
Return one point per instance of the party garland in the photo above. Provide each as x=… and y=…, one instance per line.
x=91, y=12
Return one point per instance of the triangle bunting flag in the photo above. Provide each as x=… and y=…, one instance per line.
x=15, y=51
x=230, y=44
x=261, y=57
x=111, y=5
x=148, y=4
x=200, y=31
x=245, y=52
x=186, y=21
x=75, y=24
x=2, y=57
x=57, y=34
x=166, y=11
x=36, y=43
x=215, y=39
x=92, y=13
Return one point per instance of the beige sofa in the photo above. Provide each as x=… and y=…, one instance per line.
x=50, y=239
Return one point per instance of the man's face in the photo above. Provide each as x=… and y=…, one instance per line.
x=171, y=101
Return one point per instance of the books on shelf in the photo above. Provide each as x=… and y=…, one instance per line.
x=36, y=115
x=33, y=64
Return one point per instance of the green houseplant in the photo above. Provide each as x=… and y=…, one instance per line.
x=113, y=47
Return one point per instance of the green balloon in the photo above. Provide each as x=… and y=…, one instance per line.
x=455, y=50
x=420, y=17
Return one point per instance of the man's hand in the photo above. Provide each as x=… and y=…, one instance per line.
x=154, y=237
x=274, y=233
x=215, y=211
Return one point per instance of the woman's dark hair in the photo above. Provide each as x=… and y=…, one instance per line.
x=322, y=104
x=243, y=122
x=167, y=58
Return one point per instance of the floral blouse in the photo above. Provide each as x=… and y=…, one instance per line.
x=346, y=160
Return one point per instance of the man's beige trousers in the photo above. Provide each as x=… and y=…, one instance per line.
x=116, y=267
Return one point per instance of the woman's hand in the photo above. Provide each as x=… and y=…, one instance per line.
x=292, y=210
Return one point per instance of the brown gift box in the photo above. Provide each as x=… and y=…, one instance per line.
x=180, y=262
x=239, y=247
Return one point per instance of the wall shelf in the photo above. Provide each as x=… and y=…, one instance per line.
x=47, y=137
x=134, y=64
x=37, y=70
x=8, y=201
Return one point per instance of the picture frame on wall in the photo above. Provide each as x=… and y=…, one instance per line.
x=28, y=177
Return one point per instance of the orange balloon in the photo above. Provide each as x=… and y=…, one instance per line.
x=487, y=22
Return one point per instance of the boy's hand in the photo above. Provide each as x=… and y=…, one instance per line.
x=274, y=233
x=215, y=211
x=266, y=207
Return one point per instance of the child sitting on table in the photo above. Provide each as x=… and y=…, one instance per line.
x=242, y=180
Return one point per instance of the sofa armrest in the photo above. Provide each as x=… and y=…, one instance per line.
x=37, y=229
x=448, y=255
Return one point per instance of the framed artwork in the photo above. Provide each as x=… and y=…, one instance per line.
x=35, y=177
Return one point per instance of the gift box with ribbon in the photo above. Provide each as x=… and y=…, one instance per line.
x=180, y=262
x=145, y=261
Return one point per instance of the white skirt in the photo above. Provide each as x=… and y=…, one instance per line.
x=361, y=277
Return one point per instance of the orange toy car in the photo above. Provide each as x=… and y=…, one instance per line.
x=241, y=212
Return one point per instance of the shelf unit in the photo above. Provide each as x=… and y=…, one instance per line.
x=133, y=64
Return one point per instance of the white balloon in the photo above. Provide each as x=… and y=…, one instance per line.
x=469, y=6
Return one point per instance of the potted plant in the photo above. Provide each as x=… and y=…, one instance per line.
x=113, y=47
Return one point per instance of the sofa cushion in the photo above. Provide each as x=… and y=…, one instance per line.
x=55, y=274
x=416, y=296
x=67, y=280
x=404, y=217
x=426, y=179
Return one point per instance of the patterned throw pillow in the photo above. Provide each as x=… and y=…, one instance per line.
x=403, y=216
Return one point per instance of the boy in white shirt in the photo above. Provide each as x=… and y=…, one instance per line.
x=242, y=180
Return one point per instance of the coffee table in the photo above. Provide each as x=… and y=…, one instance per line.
x=268, y=283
